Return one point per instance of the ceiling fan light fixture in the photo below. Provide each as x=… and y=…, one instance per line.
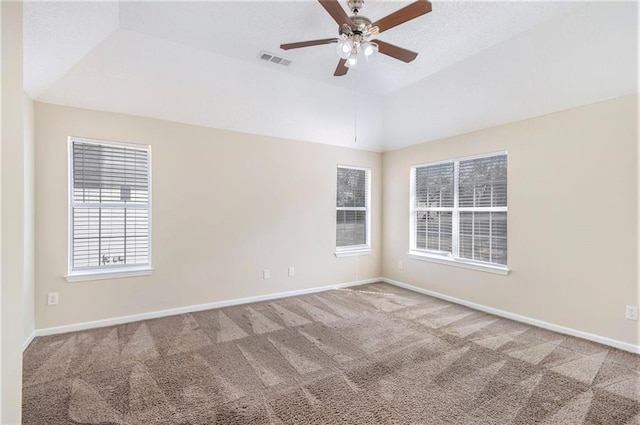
x=352, y=62
x=344, y=48
x=369, y=49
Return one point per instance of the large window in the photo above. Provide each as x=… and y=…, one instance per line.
x=109, y=207
x=459, y=210
x=353, y=219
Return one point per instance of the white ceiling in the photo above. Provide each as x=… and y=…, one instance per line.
x=480, y=64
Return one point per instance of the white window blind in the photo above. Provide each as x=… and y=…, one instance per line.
x=434, y=200
x=459, y=209
x=483, y=209
x=109, y=205
x=352, y=208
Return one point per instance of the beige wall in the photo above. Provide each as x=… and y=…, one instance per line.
x=573, y=219
x=226, y=205
x=12, y=213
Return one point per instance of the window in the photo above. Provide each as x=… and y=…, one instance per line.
x=109, y=209
x=353, y=218
x=459, y=211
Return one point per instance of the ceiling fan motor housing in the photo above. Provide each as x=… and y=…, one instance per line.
x=355, y=5
x=361, y=25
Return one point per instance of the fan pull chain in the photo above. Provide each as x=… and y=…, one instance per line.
x=355, y=109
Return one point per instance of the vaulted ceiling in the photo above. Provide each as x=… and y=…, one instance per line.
x=480, y=64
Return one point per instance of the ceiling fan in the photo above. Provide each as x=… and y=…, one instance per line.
x=356, y=32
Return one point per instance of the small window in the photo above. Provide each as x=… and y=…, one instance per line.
x=459, y=210
x=353, y=215
x=109, y=208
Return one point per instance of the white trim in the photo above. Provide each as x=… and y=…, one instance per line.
x=193, y=308
x=463, y=158
x=352, y=252
x=462, y=209
x=101, y=274
x=455, y=215
x=237, y=301
x=351, y=208
x=108, y=205
x=28, y=341
x=523, y=319
x=69, y=208
x=412, y=202
x=457, y=262
x=353, y=167
x=140, y=146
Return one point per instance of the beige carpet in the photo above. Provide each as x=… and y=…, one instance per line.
x=373, y=354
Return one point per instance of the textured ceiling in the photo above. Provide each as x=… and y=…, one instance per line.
x=240, y=30
x=196, y=62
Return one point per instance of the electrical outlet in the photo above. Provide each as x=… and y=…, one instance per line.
x=291, y=271
x=400, y=265
x=266, y=274
x=631, y=312
x=52, y=298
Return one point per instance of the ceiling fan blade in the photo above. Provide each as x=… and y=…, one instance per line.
x=403, y=15
x=395, y=52
x=308, y=43
x=337, y=12
x=341, y=69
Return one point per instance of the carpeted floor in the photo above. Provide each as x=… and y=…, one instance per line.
x=373, y=354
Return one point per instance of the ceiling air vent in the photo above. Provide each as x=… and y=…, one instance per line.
x=270, y=57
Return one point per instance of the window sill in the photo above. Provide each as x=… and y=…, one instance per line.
x=107, y=274
x=352, y=252
x=458, y=263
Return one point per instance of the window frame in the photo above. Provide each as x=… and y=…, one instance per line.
x=360, y=249
x=452, y=258
x=99, y=273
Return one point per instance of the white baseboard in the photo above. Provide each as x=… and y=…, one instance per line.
x=518, y=318
x=192, y=308
x=28, y=340
x=247, y=300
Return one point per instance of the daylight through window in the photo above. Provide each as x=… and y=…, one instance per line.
x=110, y=208
x=459, y=209
x=352, y=210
